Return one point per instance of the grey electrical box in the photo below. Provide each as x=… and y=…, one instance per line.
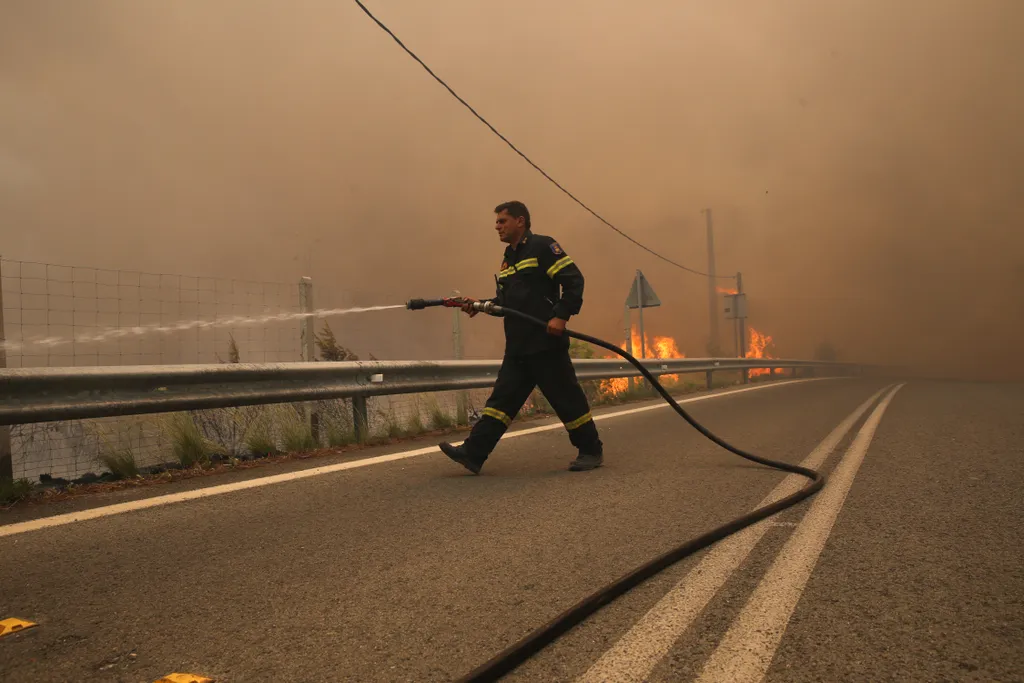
x=735, y=306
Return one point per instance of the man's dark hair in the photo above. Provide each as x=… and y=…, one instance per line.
x=516, y=210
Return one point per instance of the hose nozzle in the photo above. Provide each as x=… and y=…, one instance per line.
x=448, y=302
x=420, y=304
x=455, y=302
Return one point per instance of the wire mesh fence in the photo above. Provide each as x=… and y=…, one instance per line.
x=59, y=316
x=73, y=448
x=72, y=316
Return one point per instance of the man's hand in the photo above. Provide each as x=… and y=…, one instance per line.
x=556, y=326
x=468, y=307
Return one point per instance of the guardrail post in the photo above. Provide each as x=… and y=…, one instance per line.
x=307, y=334
x=6, y=459
x=360, y=421
x=708, y=379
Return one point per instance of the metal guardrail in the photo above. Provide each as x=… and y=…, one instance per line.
x=53, y=394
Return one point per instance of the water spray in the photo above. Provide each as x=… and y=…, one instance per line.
x=505, y=662
x=112, y=333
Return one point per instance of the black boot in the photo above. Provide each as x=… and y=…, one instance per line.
x=459, y=455
x=586, y=461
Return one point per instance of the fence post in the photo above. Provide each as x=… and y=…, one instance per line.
x=6, y=459
x=307, y=334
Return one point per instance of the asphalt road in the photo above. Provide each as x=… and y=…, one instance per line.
x=908, y=566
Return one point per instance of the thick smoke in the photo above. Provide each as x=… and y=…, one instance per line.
x=863, y=158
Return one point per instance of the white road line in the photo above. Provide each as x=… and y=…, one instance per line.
x=636, y=654
x=746, y=651
x=120, y=508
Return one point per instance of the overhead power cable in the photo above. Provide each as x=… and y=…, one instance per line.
x=517, y=151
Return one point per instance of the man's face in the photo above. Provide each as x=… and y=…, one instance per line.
x=509, y=229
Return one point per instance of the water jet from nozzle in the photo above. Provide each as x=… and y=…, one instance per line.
x=114, y=333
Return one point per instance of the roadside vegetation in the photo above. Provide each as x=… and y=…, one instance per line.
x=201, y=442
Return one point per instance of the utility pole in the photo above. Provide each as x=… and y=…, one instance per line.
x=713, y=349
x=6, y=459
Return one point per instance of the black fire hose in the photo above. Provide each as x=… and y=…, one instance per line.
x=519, y=652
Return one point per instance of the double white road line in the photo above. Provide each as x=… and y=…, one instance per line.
x=747, y=649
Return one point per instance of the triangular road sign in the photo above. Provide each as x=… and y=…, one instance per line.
x=650, y=298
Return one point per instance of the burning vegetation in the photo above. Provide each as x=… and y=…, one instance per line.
x=760, y=346
x=660, y=347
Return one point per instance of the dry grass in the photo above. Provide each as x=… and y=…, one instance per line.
x=188, y=444
x=439, y=419
x=121, y=463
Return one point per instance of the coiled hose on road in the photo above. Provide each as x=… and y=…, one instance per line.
x=506, y=661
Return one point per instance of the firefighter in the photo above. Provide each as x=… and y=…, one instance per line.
x=538, y=278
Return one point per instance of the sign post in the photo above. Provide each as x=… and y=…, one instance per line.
x=641, y=296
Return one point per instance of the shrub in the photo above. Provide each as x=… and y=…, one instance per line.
x=439, y=419
x=415, y=425
x=188, y=444
x=296, y=435
x=540, y=404
x=337, y=421
x=392, y=427
x=228, y=427
x=330, y=349
x=259, y=439
x=233, y=354
x=121, y=463
x=13, y=490
x=339, y=435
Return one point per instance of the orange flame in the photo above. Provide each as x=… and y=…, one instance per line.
x=662, y=347
x=723, y=290
x=759, y=342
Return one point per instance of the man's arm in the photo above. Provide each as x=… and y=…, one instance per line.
x=567, y=275
x=496, y=299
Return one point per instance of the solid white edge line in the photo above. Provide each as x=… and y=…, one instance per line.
x=746, y=651
x=635, y=655
x=206, y=492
